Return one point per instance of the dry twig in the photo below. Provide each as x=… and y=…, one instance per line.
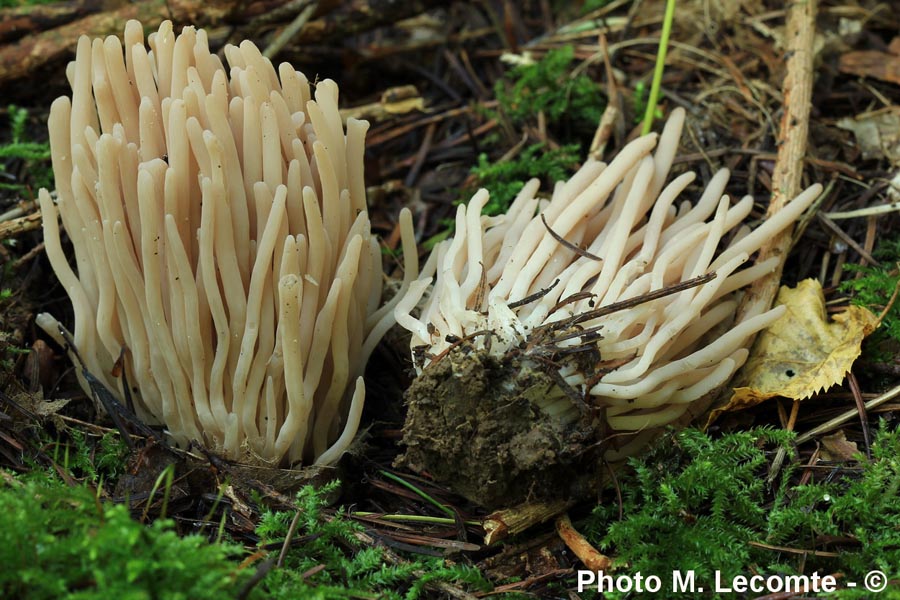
x=586, y=553
x=786, y=179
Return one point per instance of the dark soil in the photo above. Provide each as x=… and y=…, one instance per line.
x=475, y=422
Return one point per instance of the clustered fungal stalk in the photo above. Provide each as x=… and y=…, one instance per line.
x=222, y=244
x=529, y=281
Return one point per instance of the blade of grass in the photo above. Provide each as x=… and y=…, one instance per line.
x=411, y=518
x=164, y=480
x=413, y=488
x=660, y=66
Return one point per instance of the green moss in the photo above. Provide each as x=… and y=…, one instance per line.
x=572, y=104
x=17, y=3
x=90, y=458
x=504, y=179
x=698, y=503
x=36, y=156
x=351, y=569
x=550, y=86
x=874, y=290
x=58, y=541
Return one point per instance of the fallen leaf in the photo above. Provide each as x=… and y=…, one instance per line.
x=873, y=63
x=894, y=188
x=35, y=403
x=835, y=447
x=401, y=100
x=802, y=352
x=877, y=133
x=397, y=100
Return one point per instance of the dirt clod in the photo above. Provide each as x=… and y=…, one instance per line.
x=475, y=423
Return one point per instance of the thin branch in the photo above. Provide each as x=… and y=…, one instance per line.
x=567, y=243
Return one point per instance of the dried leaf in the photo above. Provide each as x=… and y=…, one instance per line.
x=801, y=353
x=873, y=63
x=877, y=133
x=35, y=403
x=835, y=447
x=397, y=100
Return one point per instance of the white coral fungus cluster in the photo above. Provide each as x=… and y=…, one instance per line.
x=501, y=279
x=222, y=243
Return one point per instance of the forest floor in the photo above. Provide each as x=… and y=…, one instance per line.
x=462, y=95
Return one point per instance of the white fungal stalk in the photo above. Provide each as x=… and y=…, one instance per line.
x=625, y=236
x=222, y=243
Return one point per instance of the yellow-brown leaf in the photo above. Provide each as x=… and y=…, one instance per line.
x=801, y=353
x=836, y=447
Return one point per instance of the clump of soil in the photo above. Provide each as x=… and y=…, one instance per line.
x=476, y=424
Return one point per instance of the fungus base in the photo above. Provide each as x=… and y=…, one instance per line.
x=476, y=423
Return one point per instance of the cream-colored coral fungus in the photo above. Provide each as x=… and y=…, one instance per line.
x=222, y=244
x=535, y=281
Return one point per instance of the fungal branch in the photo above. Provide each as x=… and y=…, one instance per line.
x=222, y=243
x=657, y=310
